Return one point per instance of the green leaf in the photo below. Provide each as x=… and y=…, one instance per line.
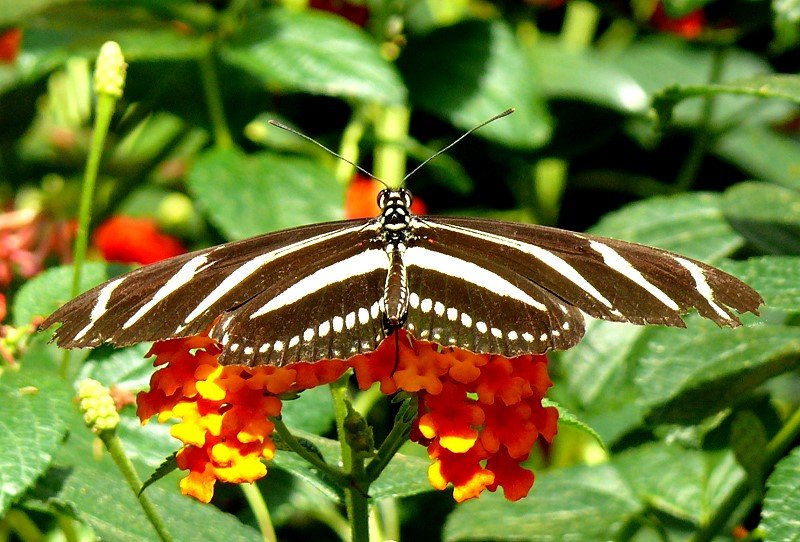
x=91, y=486
x=762, y=153
x=165, y=468
x=685, y=377
x=786, y=23
x=126, y=368
x=246, y=195
x=565, y=417
x=471, y=71
x=679, y=8
x=662, y=61
x=49, y=290
x=314, y=52
x=688, y=484
x=690, y=224
x=785, y=87
x=767, y=215
x=779, y=515
x=13, y=11
x=33, y=400
x=749, y=444
x=312, y=411
x=584, y=75
x=577, y=503
x=776, y=278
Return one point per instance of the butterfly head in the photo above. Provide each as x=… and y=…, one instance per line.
x=395, y=212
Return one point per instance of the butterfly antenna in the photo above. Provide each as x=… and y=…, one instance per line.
x=465, y=134
x=318, y=144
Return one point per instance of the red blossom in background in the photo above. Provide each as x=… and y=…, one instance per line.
x=479, y=415
x=134, y=240
x=354, y=13
x=361, y=199
x=9, y=45
x=690, y=26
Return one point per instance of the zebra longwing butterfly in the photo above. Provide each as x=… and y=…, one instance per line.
x=336, y=289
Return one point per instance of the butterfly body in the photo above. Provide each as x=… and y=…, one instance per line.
x=337, y=289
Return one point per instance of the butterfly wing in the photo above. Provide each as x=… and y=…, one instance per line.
x=535, y=266
x=187, y=294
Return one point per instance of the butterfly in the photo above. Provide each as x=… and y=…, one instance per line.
x=336, y=289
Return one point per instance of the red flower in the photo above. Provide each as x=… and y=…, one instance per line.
x=690, y=26
x=9, y=45
x=134, y=240
x=361, y=199
x=479, y=415
x=354, y=13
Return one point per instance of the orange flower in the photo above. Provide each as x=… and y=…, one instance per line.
x=9, y=45
x=354, y=13
x=690, y=26
x=134, y=240
x=479, y=415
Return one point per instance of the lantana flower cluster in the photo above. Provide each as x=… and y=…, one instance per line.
x=479, y=415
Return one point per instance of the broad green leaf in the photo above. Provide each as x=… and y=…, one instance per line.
x=33, y=400
x=763, y=153
x=46, y=292
x=471, y=71
x=663, y=61
x=311, y=412
x=577, y=503
x=779, y=518
x=67, y=29
x=785, y=87
x=679, y=8
x=749, y=445
x=246, y=195
x=314, y=52
x=127, y=368
x=15, y=12
x=767, y=215
x=776, y=278
x=687, y=484
x=565, y=417
x=786, y=23
x=688, y=376
x=690, y=224
x=585, y=75
x=91, y=486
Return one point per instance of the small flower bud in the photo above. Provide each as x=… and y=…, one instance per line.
x=97, y=405
x=359, y=433
x=109, y=74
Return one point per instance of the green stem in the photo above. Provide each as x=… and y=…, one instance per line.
x=394, y=440
x=364, y=401
x=294, y=445
x=69, y=528
x=23, y=526
x=348, y=147
x=391, y=130
x=580, y=24
x=211, y=89
x=357, y=503
x=117, y=452
x=339, y=395
x=694, y=160
x=102, y=120
x=259, y=507
x=776, y=449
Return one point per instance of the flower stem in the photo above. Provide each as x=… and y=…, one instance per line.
x=357, y=503
x=259, y=507
x=775, y=450
x=694, y=160
x=216, y=110
x=117, y=452
x=391, y=129
x=105, y=109
x=348, y=147
x=580, y=24
x=339, y=395
x=394, y=440
x=294, y=445
x=23, y=526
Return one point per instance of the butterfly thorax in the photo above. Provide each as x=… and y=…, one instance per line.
x=395, y=233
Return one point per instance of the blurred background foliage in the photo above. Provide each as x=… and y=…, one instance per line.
x=672, y=123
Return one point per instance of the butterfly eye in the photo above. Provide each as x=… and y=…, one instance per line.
x=382, y=197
